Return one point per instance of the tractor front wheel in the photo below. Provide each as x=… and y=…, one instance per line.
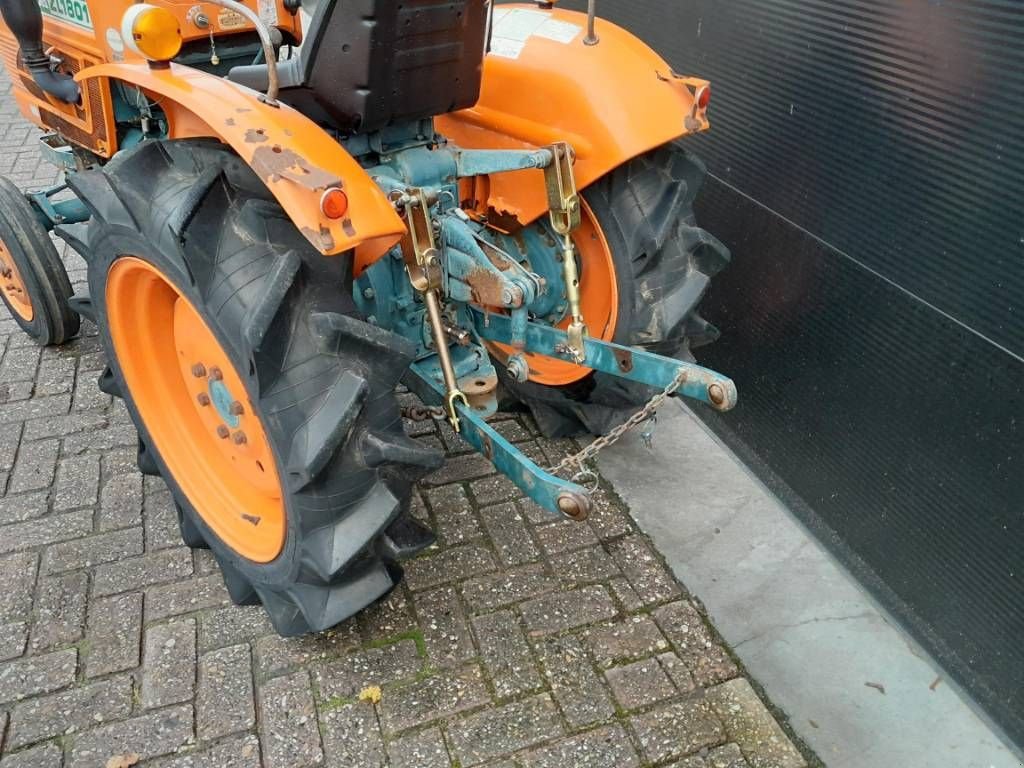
x=33, y=282
x=259, y=396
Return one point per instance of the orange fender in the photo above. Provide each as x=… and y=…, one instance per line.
x=541, y=84
x=295, y=157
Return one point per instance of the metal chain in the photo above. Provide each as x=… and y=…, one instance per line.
x=424, y=413
x=638, y=418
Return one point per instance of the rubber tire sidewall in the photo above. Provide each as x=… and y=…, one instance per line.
x=40, y=268
x=115, y=243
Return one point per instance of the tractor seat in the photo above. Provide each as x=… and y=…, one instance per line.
x=368, y=64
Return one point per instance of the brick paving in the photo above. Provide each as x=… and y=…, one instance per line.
x=517, y=642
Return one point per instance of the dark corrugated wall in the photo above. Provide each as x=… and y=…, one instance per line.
x=867, y=171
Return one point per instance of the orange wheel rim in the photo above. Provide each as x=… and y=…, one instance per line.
x=599, y=300
x=196, y=409
x=13, y=287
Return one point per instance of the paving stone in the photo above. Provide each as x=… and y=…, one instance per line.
x=34, y=467
x=632, y=638
x=160, y=518
x=151, y=735
x=454, y=516
x=136, y=572
x=576, y=686
x=55, y=376
x=677, y=672
x=625, y=594
x=42, y=756
x=677, y=730
x=233, y=625
x=90, y=551
x=120, y=502
x=13, y=640
x=639, y=684
x=607, y=518
x=26, y=506
x=224, y=701
x=727, y=756
x=566, y=610
x=495, y=732
x=494, y=489
x=168, y=664
x=188, y=596
x=388, y=617
x=447, y=566
x=706, y=659
x=441, y=695
x=445, y=630
x=424, y=749
x=564, y=536
x=77, y=483
x=237, y=752
x=352, y=737
x=488, y=593
x=749, y=723
x=276, y=654
x=60, y=611
x=510, y=534
x=88, y=396
x=34, y=408
x=346, y=677
x=585, y=566
x=288, y=723
x=466, y=468
x=37, y=674
x=70, y=711
x=644, y=569
x=113, y=436
x=45, y=530
x=606, y=747
x=18, y=575
x=113, y=634
x=506, y=654
x=64, y=425
x=10, y=439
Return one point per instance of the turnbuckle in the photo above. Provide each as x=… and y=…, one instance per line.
x=423, y=265
x=564, y=206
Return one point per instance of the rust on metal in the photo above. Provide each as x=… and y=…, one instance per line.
x=488, y=448
x=487, y=287
x=277, y=162
x=716, y=394
x=503, y=221
x=478, y=389
x=255, y=136
x=625, y=360
x=575, y=506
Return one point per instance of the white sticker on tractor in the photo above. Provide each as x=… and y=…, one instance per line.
x=72, y=11
x=513, y=27
x=268, y=12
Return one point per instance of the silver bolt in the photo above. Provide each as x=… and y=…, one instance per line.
x=368, y=293
x=518, y=368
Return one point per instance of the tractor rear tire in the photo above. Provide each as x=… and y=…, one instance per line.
x=184, y=242
x=663, y=265
x=34, y=283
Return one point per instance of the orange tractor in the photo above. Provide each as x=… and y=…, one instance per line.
x=288, y=211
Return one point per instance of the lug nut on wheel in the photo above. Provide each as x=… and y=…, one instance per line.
x=239, y=438
x=236, y=409
x=222, y=431
x=199, y=370
x=203, y=398
x=215, y=374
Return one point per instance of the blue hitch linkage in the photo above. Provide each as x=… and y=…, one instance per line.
x=558, y=496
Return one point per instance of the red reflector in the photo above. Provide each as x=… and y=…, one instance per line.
x=334, y=203
x=703, y=96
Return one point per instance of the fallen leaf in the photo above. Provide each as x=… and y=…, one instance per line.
x=123, y=761
x=370, y=693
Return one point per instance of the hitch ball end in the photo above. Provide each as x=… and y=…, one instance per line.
x=573, y=505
